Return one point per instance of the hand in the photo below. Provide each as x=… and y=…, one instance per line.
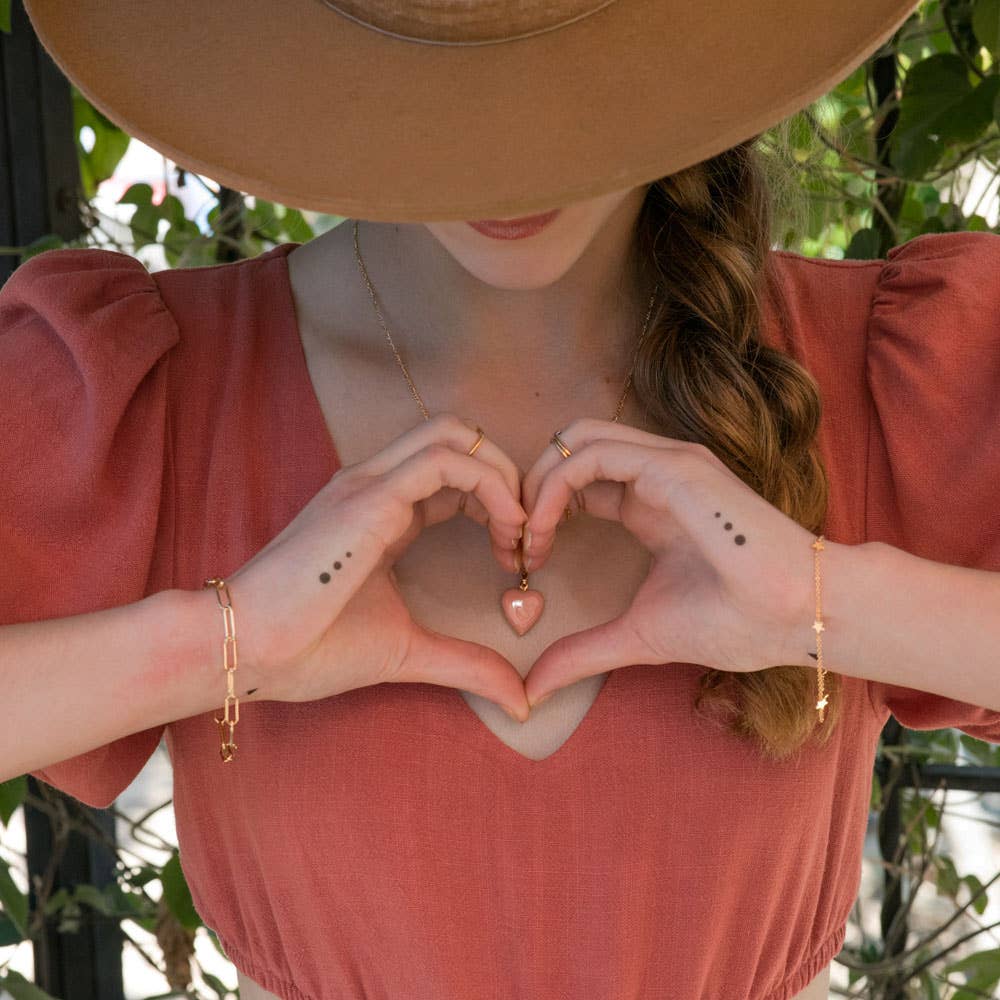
x=725, y=587
x=322, y=610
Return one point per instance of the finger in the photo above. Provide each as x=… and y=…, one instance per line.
x=576, y=435
x=505, y=550
x=595, y=650
x=433, y=658
x=448, y=429
x=425, y=473
x=510, y=557
x=639, y=466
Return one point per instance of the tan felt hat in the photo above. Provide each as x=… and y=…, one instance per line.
x=433, y=110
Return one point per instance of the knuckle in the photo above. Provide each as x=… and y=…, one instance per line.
x=577, y=426
x=437, y=452
x=707, y=455
x=452, y=426
x=442, y=421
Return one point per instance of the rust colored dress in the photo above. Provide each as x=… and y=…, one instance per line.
x=156, y=429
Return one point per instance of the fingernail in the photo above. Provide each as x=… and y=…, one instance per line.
x=538, y=701
x=527, y=538
x=512, y=715
x=528, y=562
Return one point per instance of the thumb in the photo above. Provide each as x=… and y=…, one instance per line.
x=434, y=658
x=582, y=654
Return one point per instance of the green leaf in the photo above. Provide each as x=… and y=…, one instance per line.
x=939, y=106
x=9, y=934
x=70, y=917
x=57, y=901
x=12, y=793
x=50, y=241
x=929, y=984
x=15, y=902
x=981, y=970
x=986, y=25
x=264, y=220
x=20, y=989
x=323, y=222
x=145, y=225
x=220, y=988
x=853, y=135
x=5, y=16
x=110, y=144
x=148, y=924
x=928, y=196
x=864, y=245
x=172, y=209
x=935, y=224
x=296, y=227
x=979, y=751
x=975, y=886
x=94, y=898
x=137, y=194
x=947, y=876
x=178, y=238
x=178, y=895
x=875, y=803
x=144, y=875
x=854, y=85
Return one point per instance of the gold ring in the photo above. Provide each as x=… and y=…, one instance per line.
x=560, y=444
x=479, y=441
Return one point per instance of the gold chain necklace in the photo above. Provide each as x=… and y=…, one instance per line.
x=521, y=595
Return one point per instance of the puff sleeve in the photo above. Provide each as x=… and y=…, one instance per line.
x=933, y=366
x=84, y=335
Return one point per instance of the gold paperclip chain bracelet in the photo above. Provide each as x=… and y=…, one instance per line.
x=228, y=747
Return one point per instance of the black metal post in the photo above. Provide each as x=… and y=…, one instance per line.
x=85, y=964
x=40, y=189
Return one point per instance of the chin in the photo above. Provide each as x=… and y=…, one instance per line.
x=515, y=265
x=521, y=276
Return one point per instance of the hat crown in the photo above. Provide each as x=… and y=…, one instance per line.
x=465, y=22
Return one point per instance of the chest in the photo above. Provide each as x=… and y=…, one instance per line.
x=448, y=576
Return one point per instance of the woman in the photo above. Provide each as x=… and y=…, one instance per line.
x=690, y=826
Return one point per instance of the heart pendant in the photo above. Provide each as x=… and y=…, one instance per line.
x=522, y=608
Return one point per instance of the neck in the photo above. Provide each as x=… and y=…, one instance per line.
x=583, y=324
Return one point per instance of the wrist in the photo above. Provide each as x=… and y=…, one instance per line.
x=849, y=583
x=192, y=651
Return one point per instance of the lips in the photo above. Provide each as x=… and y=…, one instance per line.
x=514, y=229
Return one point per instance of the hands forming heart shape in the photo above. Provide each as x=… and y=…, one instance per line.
x=730, y=582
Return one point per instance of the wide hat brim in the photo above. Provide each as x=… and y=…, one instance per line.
x=299, y=104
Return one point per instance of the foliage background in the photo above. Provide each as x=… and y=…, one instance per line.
x=907, y=144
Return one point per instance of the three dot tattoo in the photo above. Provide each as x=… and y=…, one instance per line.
x=738, y=539
x=325, y=577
